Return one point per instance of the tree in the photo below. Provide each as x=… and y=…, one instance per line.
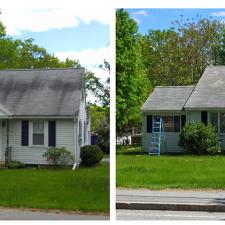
x=180, y=54
x=100, y=125
x=100, y=109
x=132, y=83
x=99, y=90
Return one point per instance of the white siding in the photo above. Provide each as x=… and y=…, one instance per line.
x=33, y=154
x=83, y=117
x=172, y=140
x=4, y=139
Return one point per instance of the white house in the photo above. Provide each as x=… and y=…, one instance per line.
x=177, y=105
x=42, y=108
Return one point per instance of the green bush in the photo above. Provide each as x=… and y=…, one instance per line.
x=199, y=139
x=91, y=155
x=58, y=156
x=15, y=164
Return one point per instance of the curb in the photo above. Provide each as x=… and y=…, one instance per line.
x=170, y=206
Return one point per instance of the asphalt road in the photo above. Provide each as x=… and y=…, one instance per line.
x=170, y=196
x=14, y=214
x=167, y=215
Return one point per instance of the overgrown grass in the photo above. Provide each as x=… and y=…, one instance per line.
x=85, y=189
x=181, y=171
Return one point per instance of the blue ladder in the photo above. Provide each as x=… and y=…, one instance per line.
x=155, y=139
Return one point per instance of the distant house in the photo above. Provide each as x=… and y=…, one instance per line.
x=40, y=109
x=177, y=105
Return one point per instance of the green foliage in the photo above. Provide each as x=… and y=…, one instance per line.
x=91, y=155
x=14, y=164
x=58, y=156
x=170, y=172
x=180, y=54
x=100, y=125
x=85, y=189
x=98, y=89
x=132, y=83
x=199, y=139
x=18, y=54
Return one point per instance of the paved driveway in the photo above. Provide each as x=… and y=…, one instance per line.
x=15, y=214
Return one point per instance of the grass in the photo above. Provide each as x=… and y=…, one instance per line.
x=168, y=172
x=85, y=189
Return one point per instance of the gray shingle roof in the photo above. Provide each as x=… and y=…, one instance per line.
x=44, y=92
x=170, y=98
x=209, y=92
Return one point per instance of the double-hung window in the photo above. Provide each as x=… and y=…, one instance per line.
x=38, y=133
x=217, y=120
x=171, y=123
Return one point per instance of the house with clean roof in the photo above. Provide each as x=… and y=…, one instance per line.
x=177, y=105
x=42, y=108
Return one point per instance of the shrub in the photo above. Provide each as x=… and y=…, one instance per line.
x=199, y=139
x=15, y=164
x=91, y=155
x=58, y=156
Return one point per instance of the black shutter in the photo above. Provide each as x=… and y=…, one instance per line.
x=204, y=117
x=51, y=134
x=183, y=120
x=24, y=133
x=149, y=123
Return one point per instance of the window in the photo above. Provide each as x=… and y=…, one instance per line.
x=171, y=123
x=38, y=133
x=213, y=118
x=168, y=123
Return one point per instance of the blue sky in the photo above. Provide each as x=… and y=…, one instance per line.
x=93, y=35
x=162, y=18
x=77, y=31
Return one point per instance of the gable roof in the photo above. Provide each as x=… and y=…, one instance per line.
x=209, y=92
x=168, y=98
x=41, y=92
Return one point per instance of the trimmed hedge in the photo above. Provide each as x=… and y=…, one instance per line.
x=199, y=139
x=91, y=155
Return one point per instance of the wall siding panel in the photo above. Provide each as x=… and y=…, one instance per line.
x=33, y=155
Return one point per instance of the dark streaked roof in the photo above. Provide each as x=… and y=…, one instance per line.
x=41, y=92
x=166, y=98
x=209, y=92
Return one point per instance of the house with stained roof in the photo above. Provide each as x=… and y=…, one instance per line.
x=42, y=108
x=177, y=105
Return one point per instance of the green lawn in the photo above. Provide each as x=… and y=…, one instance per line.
x=85, y=189
x=186, y=172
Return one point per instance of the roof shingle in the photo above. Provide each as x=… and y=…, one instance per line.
x=166, y=98
x=209, y=92
x=41, y=92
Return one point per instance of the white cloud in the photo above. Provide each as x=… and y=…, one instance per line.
x=44, y=16
x=141, y=13
x=90, y=59
x=220, y=13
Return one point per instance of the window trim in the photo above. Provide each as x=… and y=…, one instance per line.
x=45, y=134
